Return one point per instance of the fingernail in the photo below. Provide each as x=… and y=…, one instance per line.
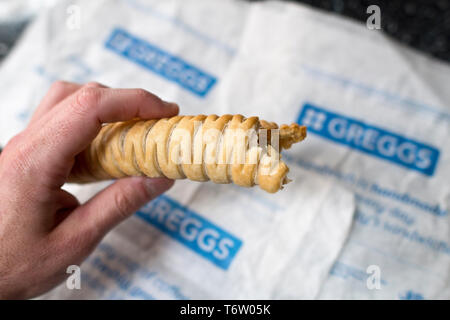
x=171, y=105
x=156, y=186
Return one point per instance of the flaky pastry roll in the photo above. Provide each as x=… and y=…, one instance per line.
x=225, y=149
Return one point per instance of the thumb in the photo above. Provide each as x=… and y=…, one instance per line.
x=113, y=205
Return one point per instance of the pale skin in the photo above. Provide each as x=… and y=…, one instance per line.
x=44, y=229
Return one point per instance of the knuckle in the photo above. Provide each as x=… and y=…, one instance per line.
x=123, y=204
x=145, y=95
x=22, y=159
x=94, y=84
x=14, y=141
x=58, y=85
x=14, y=149
x=76, y=241
x=86, y=99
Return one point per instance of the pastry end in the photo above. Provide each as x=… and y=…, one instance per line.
x=291, y=134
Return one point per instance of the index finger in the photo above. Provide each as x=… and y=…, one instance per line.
x=76, y=123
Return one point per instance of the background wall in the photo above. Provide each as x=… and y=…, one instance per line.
x=421, y=24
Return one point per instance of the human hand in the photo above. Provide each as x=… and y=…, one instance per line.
x=43, y=228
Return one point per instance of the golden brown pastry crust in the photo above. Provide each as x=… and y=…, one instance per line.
x=158, y=148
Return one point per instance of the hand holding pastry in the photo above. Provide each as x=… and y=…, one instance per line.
x=43, y=228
